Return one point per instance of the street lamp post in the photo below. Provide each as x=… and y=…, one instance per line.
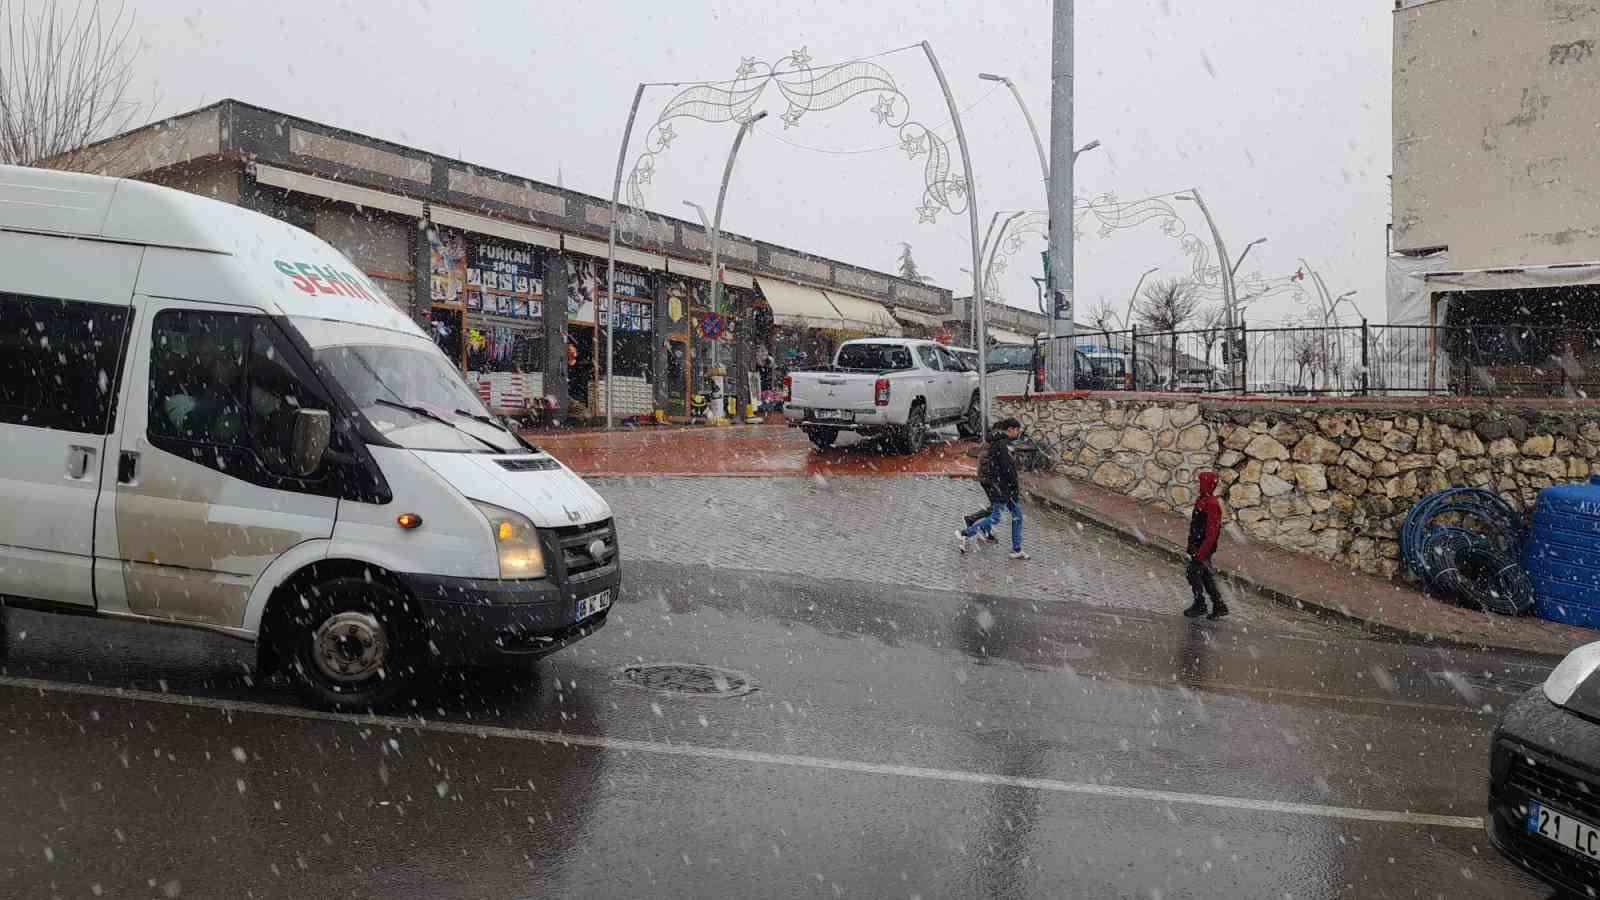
x=714, y=231
x=1228, y=299
x=1133, y=298
x=1246, y=252
x=1062, y=235
x=972, y=219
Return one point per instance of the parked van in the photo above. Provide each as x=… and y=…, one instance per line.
x=212, y=418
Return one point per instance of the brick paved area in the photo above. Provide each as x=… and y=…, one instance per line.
x=745, y=450
x=897, y=531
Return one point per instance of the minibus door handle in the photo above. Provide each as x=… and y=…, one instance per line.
x=79, y=459
x=127, y=467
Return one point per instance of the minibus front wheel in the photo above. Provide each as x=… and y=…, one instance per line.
x=352, y=643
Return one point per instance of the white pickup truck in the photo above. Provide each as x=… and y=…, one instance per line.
x=884, y=387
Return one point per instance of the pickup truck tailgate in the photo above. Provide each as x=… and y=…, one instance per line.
x=833, y=390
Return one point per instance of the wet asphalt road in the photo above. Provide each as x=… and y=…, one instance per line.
x=900, y=741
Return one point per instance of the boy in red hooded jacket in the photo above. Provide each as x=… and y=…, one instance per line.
x=1205, y=527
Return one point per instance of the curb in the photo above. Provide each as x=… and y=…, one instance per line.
x=1177, y=554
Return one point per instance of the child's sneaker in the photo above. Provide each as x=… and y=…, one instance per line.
x=1018, y=554
x=1196, y=609
x=961, y=541
x=1218, y=610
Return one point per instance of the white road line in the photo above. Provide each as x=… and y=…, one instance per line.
x=694, y=751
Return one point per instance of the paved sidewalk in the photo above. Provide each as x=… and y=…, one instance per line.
x=1304, y=581
x=745, y=450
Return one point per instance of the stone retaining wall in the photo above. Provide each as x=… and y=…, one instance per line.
x=1334, y=479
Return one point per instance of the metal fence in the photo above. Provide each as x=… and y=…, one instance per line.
x=1347, y=360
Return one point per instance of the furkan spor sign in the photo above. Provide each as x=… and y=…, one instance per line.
x=314, y=280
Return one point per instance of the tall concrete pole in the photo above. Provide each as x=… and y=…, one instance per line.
x=1061, y=147
x=611, y=261
x=716, y=250
x=972, y=225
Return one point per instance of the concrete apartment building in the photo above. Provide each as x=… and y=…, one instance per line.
x=1496, y=185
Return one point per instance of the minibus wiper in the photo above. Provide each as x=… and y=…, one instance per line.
x=427, y=413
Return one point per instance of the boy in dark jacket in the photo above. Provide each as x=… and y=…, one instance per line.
x=1205, y=528
x=1000, y=477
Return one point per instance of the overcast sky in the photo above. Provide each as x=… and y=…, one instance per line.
x=1278, y=112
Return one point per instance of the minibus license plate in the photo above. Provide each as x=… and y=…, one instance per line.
x=588, y=606
x=1574, y=834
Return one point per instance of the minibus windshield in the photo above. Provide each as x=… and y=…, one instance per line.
x=409, y=391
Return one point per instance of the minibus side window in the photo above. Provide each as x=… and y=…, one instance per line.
x=59, y=362
x=230, y=383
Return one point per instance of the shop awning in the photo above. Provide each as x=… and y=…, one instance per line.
x=329, y=189
x=624, y=254
x=861, y=314
x=511, y=231
x=912, y=317
x=799, y=306
x=1003, y=336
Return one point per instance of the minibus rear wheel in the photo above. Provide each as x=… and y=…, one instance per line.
x=352, y=644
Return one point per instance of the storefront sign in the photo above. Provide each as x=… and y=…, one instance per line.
x=636, y=293
x=492, y=277
x=505, y=280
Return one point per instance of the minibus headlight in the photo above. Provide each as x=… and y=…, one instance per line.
x=516, y=542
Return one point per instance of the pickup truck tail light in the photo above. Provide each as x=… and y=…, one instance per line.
x=880, y=392
x=788, y=389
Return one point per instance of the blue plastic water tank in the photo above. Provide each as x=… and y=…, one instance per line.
x=1562, y=554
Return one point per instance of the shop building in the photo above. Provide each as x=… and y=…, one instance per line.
x=510, y=273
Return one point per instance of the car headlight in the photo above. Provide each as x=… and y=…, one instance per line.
x=516, y=542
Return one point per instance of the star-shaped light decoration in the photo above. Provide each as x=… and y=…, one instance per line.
x=957, y=186
x=666, y=135
x=914, y=146
x=747, y=67
x=927, y=213
x=800, y=58
x=792, y=117
x=646, y=171
x=884, y=108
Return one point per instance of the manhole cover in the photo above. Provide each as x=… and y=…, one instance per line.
x=688, y=678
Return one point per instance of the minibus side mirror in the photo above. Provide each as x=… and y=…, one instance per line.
x=308, y=440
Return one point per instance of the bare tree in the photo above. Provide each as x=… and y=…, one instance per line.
x=1103, y=315
x=65, y=69
x=1309, y=352
x=1212, y=322
x=1167, y=305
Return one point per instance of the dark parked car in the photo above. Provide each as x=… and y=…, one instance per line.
x=1544, y=777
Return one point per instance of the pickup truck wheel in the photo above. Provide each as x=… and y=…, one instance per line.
x=914, y=434
x=351, y=644
x=971, y=424
x=822, y=438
